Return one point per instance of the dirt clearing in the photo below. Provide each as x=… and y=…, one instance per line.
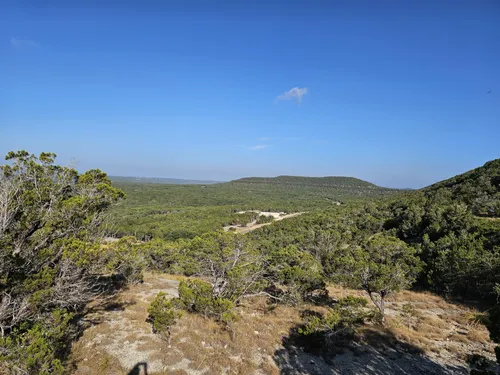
x=253, y=225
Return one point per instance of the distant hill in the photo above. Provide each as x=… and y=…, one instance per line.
x=161, y=180
x=479, y=188
x=334, y=182
x=329, y=189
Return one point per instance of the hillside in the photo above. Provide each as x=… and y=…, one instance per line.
x=479, y=188
x=331, y=181
x=325, y=291
x=325, y=188
x=173, y=211
x=261, y=341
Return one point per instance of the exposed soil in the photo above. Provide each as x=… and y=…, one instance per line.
x=120, y=341
x=253, y=225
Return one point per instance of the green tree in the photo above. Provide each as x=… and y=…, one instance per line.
x=383, y=265
x=230, y=262
x=294, y=275
x=50, y=223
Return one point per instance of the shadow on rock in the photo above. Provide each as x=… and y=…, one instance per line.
x=373, y=352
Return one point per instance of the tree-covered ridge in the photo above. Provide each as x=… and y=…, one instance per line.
x=184, y=211
x=330, y=181
x=478, y=188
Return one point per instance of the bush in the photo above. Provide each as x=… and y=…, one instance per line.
x=347, y=314
x=243, y=218
x=198, y=297
x=408, y=314
x=323, y=332
x=125, y=258
x=163, y=314
x=39, y=349
x=497, y=353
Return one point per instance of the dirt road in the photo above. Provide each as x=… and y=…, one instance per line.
x=253, y=225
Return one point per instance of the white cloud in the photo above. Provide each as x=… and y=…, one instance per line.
x=294, y=93
x=257, y=147
x=24, y=43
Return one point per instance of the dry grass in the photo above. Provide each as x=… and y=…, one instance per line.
x=437, y=327
x=478, y=335
x=337, y=291
x=248, y=346
x=434, y=322
x=196, y=345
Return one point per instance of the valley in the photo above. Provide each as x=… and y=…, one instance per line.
x=256, y=276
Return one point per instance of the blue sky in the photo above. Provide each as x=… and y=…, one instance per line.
x=394, y=92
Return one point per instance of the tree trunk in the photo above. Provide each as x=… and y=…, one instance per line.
x=380, y=304
x=382, y=308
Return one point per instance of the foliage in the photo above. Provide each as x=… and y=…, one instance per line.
x=38, y=348
x=244, y=218
x=198, y=297
x=50, y=225
x=344, y=317
x=408, y=314
x=186, y=211
x=324, y=332
x=163, y=313
x=294, y=275
x=124, y=257
x=478, y=188
x=229, y=262
x=383, y=265
x=167, y=256
x=329, y=182
x=263, y=219
x=493, y=323
x=446, y=238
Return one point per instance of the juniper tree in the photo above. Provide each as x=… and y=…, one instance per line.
x=381, y=266
x=50, y=220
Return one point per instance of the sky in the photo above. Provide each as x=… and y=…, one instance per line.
x=399, y=93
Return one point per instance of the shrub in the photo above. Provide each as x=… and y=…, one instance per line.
x=125, y=258
x=163, y=314
x=39, y=349
x=323, y=331
x=198, y=297
x=243, y=218
x=347, y=314
x=408, y=314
